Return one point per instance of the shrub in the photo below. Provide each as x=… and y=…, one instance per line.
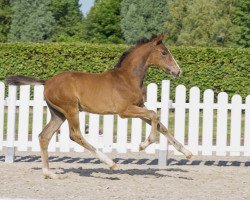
x=219, y=69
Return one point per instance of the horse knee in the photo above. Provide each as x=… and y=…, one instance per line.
x=153, y=115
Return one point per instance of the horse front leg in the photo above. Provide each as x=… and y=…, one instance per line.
x=177, y=145
x=152, y=136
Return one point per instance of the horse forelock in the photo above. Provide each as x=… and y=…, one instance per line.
x=145, y=40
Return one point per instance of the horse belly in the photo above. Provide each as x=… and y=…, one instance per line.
x=98, y=104
x=97, y=109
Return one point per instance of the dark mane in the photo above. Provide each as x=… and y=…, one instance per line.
x=138, y=43
x=145, y=40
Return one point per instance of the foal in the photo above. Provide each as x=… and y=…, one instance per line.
x=116, y=91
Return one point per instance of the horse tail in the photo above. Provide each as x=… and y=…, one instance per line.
x=24, y=80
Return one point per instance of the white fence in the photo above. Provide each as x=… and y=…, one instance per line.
x=205, y=127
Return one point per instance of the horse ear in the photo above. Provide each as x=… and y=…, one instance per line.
x=159, y=39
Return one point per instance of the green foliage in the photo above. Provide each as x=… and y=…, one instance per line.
x=202, y=22
x=242, y=18
x=68, y=20
x=142, y=18
x=220, y=69
x=31, y=21
x=5, y=19
x=187, y=22
x=177, y=11
x=103, y=22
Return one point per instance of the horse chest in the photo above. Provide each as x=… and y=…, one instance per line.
x=137, y=97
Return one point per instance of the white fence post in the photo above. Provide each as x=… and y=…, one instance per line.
x=247, y=128
x=37, y=125
x=180, y=113
x=64, y=140
x=194, y=112
x=235, y=125
x=93, y=129
x=207, y=127
x=108, y=132
x=11, y=124
x=23, y=124
x=2, y=95
x=151, y=105
x=163, y=144
x=136, y=133
x=122, y=128
x=221, y=132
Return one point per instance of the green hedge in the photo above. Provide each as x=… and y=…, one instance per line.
x=220, y=69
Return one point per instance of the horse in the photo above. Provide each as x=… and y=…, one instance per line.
x=116, y=91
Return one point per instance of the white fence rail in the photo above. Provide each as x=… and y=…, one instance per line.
x=205, y=127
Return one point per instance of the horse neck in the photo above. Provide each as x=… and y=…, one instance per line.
x=135, y=66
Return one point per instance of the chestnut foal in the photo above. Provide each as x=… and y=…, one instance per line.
x=116, y=91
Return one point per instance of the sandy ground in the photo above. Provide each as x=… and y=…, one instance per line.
x=138, y=178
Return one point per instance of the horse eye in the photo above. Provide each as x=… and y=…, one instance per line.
x=164, y=53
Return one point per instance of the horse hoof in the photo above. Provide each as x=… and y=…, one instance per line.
x=141, y=148
x=189, y=156
x=54, y=176
x=114, y=167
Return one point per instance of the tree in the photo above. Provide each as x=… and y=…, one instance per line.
x=142, y=18
x=202, y=23
x=68, y=20
x=103, y=22
x=177, y=11
x=31, y=21
x=5, y=19
x=242, y=18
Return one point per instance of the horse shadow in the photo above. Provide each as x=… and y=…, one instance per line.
x=103, y=173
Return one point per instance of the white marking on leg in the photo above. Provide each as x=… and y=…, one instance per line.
x=49, y=174
x=104, y=158
x=144, y=145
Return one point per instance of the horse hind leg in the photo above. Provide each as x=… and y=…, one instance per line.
x=75, y=135
x=45, y=136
